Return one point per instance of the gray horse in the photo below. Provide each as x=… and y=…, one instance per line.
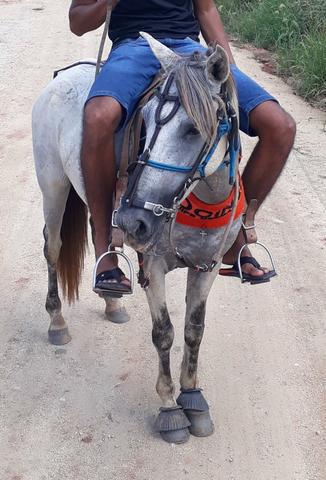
x=199, y=85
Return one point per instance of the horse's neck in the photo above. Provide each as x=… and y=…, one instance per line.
x=215, y=188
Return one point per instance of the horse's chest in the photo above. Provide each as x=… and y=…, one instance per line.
x=197, y=214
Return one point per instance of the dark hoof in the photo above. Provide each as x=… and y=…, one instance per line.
x=118, y=316
x=59, y=337
x=177, y=436
x=173, y=425
x=196, y=409
x=201, y=423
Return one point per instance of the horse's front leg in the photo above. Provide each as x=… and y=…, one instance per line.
x=171, y=421
x=191, y=397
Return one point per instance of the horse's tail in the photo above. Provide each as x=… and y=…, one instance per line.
x=74, y=243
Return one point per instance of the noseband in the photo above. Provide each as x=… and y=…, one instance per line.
x=227, y=125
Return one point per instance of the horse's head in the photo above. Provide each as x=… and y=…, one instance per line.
x=182, y=124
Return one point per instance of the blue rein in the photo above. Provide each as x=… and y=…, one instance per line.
x=168, y=166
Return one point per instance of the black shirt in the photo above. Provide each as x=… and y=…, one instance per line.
x=160, y=18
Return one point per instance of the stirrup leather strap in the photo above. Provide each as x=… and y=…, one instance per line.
x=248, y=223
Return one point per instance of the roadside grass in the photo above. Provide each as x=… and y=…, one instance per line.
x=306, y=63
x=294, y=29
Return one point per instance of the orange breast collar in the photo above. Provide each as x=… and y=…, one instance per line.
x=195, y=213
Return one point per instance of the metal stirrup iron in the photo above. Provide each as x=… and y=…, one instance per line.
x=116, y=247
x=250, y=234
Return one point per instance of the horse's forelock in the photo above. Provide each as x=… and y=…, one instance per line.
x=195, y=91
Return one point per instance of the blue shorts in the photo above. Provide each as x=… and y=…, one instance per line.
x=132, y=66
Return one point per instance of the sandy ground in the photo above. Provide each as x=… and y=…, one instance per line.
x=86, y=411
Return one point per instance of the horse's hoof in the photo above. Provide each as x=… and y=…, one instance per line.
x=197, y=411
x=59, y=337
x=118, y=316
x=201, y=423
x=173, y=425
x=177, y=436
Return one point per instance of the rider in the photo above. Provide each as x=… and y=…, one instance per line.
x=128, y=71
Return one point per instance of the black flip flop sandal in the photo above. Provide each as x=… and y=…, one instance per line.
x=252, y=279
x=108, y=283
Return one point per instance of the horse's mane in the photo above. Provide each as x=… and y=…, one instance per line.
x=198, y=96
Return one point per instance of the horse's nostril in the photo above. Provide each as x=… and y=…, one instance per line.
x=141, y=229
x=136, y=225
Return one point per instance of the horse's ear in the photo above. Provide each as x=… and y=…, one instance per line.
x=217, y=64
x=164, y=55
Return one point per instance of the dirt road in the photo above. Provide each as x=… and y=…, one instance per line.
x=86, y=411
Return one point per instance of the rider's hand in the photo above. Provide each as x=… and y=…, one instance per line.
x=88, y=15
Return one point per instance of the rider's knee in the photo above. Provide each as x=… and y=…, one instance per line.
x=286, y=129
x=274, y=125
x=102, y=117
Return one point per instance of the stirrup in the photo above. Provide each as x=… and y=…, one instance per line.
x=250, y=235
x=112, y=292
x=243, y=280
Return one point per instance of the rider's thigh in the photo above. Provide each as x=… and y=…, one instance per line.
x=102, y=114
x=250, y=96
x=127, y=73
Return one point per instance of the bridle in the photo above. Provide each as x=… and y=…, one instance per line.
x=129, y=177
x=227, y=125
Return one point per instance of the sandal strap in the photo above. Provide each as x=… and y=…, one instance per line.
x=243, y=260
x=114, y=274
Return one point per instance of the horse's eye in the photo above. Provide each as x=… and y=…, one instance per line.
x=192, y=131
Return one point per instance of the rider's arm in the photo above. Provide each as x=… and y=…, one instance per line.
x=87, y=15
x=211, y=24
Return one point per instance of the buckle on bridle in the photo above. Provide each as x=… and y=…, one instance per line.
x=250, y=227
x=158, y=209
x=113, y=221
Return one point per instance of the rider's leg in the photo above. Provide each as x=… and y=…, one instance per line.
x=102, y=117
x=276, y=131
x=128, y=71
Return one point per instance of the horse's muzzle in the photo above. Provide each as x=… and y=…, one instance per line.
x=140, y=226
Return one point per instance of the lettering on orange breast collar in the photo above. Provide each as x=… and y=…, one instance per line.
x=195, y=213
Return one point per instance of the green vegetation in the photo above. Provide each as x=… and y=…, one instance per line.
x=294, y=29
